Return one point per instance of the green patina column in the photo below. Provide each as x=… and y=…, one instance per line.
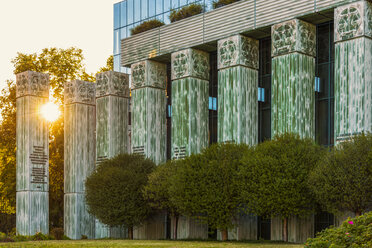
x=32, y=154
x=149, y=129
x=353, y=70
x=238, y=64
x=79, y=153
x=112, y=103
x=190, y=94
x=293, y=73
x=237, y=90
x=293, y=99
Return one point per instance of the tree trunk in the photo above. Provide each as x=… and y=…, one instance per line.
x=285, y=230
x=130, y=232
x=224, y=234
x=358, y=213
x=175, y=227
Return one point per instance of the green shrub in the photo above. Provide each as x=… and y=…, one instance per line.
x=2, y=236
x=184, y=12
x=356, y=232
x=220, y=3
x=20, y=238
x=40, y=236
x=84, y=236
x=57, y=233
x=147, y=25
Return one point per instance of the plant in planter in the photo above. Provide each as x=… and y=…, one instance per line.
x=220, y=3
x=147, y=25
x=184, y=12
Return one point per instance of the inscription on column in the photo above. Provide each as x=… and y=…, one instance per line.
x=179, y=152
x=38, y=160
x=139, y=150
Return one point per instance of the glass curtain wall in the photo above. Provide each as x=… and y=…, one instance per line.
x=130, y=13
x=324, y=105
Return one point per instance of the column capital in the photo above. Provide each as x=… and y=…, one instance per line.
x=238, y=50
x=293, y=36
x=149, y=73
x=353, y=20
x=78, y=91
x=190, y=63
x=112, y=83
x=30, y=83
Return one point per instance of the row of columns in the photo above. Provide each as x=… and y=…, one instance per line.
x=101, y=111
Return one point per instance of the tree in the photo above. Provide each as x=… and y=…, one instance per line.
x=109, y=65
x=206, y=187
x=274, y=178
x=62, y=65
x=157, y=191
x=343, y=180
x=114, y=191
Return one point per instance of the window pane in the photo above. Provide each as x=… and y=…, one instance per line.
x=323, y=43
x=159, y=17
x=167, y=5
x=128, y=30
x=116, y=41
x=137, y=10
x=123, y=14
x=116, y=16
x=152, y=8
x=175, y=4
x=183, y=2
x=144, y=8
x=323, y=74
x=123, y=33
x=117, y=63
x=166, y=18
x=321, y=133
x=130, y=11
x=159, y=6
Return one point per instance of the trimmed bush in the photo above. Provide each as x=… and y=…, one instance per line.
x=221, y=3
x=147, y=25
x=356, y=232
x=184, y=12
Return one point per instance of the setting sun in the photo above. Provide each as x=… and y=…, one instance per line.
x=50, y=111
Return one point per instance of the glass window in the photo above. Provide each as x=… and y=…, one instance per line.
x=117, y=41
x=166, y=18
x=128, y=30
x=151, y=8
x=159, y=7
x=117, y=63
x=175, y=4
x=130, y=11
x=183, y=2
x=159, y=17
x=167, y=5
x=123, y=14
x=137, y=10
x=123, y=33
x=116, y=15
x=144, y=9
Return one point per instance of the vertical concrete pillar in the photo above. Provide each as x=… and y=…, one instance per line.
x=148, y=110
x=238, y=64
x=353, y=66
x=237, y=90
x=293, y=73
x=190, y=92
x=112, y=101
x=148, y=135
x=32, y=154
x=80, y=147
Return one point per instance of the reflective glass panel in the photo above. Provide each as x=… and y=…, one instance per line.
x=137, y=10
x=175, y=4
x=117, y=63
x=166, y=18
x=123, y=33
x=130, y=11
x=152, y=8
x=116, y=41
x=116, y=15
x=144, y=9
x=123, y=14
x=167, y=5
x=159, y=7
x=183, y=2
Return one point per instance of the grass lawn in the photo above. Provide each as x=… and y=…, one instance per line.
x=147, y=244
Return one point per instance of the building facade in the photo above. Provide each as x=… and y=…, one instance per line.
x=253, y=69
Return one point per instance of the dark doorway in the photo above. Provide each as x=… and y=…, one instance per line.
x=322, y=221
x=263, y=228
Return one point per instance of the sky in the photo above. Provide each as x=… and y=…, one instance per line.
x=28, y=26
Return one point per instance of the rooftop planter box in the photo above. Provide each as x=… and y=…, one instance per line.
x=145, y=26
x=184, y=12
x=244, y=16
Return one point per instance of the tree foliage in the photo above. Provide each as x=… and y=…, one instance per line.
x=62, y=65
x=114, y=191
x=342, y=181
x=274, y=177
x=206, y=186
